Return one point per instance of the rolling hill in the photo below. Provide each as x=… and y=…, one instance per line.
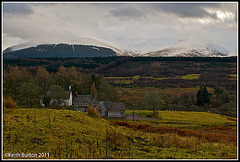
x=66, y=134
x=58, y=50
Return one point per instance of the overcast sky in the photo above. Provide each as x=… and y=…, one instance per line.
x=120, y=24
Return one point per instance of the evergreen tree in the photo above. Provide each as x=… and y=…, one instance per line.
x=200, y=97
x=46, y=100
x=206, y=95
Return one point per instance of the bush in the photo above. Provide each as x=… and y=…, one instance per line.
x=93, y=111
x=9, y=103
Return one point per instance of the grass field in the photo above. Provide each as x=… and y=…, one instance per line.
x=67, y=134
x=130, y=80
x=187, y=119
x=191, y=76
x=48, y=130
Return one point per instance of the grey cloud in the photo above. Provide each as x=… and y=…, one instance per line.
x=17, y=8
x=126, y=11
x=109, y=21
x=185, y=10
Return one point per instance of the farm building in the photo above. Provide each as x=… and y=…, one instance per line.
x=111, y=109
x=81, y=102
x=105, y=108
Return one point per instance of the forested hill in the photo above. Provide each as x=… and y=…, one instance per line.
x=59, y=50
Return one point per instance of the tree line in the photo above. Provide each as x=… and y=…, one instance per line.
x=221, y=102
x=27, y=88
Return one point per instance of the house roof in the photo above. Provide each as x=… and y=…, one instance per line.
x=84, y=98
x=112, y=106
x=106, y=104
x=65, y=95
x=117, y=106
x=96, y=103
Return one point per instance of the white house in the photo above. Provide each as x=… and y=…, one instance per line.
x=65, y=98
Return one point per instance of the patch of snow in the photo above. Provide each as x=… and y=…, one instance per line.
x=73, y=47
x=54, y=46
x=95, y=48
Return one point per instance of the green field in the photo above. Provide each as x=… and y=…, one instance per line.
x=187, y=119
x=130, y=80
x=191, y=76
x=67, y=134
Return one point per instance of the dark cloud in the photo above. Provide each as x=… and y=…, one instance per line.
x=126, y=11
x=17, y=8
x=185, y=10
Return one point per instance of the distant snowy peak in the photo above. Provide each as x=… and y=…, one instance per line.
x=189, y=49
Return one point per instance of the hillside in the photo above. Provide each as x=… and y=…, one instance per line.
x=51, y=131
x=58, y=50
x=65, y=134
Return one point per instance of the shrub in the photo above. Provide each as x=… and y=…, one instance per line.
x=181, y=132
x=93, y=111
x=9, y=103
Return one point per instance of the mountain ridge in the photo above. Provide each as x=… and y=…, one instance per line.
x=59, y=50
x=185, y=48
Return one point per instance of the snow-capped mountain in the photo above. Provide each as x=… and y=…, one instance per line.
x=59, y=50
x=135, y=46
x=83, y=47
x=169, y=47
x=189, y=49
x=88, y=47
x=80, y=41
